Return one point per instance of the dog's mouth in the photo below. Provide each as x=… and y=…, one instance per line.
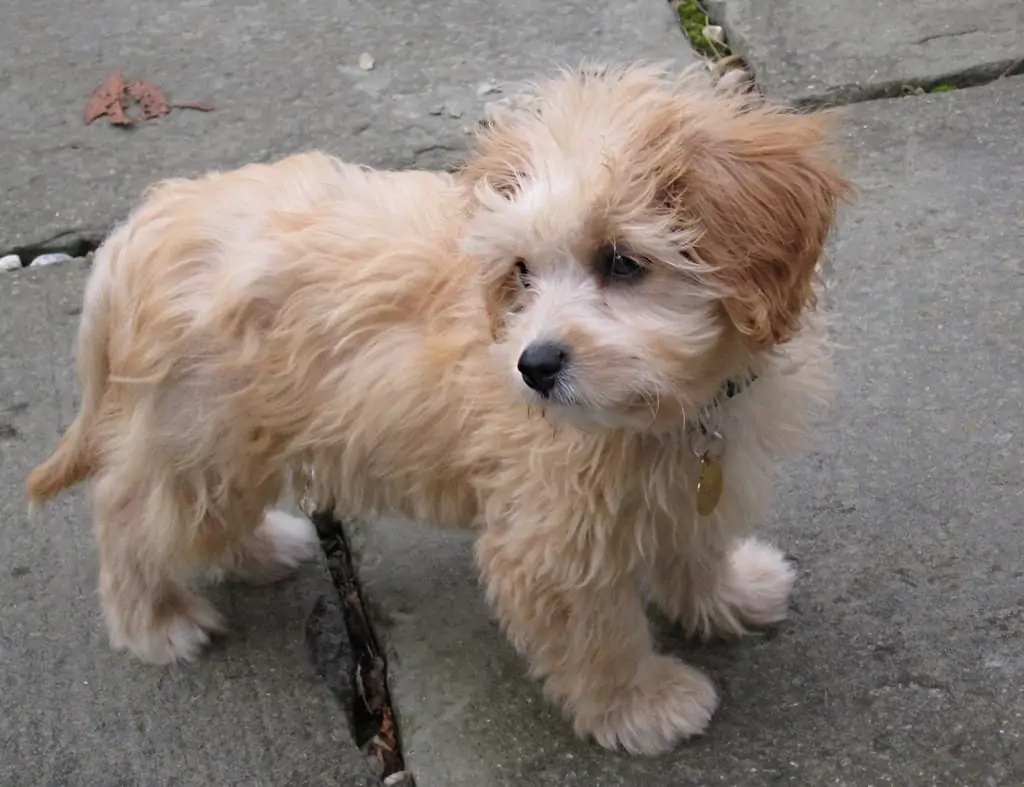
x=637, y=412
x=561, y=395
x=563, y=404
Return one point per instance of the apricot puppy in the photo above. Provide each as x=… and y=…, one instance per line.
x=592, y=344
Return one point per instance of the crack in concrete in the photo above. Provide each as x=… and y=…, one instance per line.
x=75, y=242
x=895, y=88
x=363, y=691
x=953, y=34
x=844, y=95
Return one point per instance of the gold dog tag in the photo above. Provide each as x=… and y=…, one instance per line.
x=709, y=485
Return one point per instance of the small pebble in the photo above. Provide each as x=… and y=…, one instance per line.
x=714, y=33
x=366, y=61
x=10, y=262
x=488, y=88
x=49, y=259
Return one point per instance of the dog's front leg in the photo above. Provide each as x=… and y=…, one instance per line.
x=572, y=608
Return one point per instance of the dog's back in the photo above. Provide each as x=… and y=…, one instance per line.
x=227, y=292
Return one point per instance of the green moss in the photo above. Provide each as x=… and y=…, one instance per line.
x=942, y=89
x=693, y=19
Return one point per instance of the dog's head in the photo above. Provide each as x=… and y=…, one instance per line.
x=642, y=236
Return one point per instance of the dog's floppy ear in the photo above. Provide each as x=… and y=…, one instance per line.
x=765, y=188
x=501, y=144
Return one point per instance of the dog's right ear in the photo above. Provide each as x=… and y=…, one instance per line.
x=500, y=293
x=500, y=155
x=494, y=172
x=496, y=168
x=493, y=175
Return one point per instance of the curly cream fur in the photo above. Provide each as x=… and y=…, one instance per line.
x=244, y=327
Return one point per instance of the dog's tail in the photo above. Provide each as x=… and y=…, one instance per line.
x=73, y=461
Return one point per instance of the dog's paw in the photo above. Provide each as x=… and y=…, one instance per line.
x=275, y=550
x=179, y=635
x=667, y=702
x=758, y=583
x=294, y=539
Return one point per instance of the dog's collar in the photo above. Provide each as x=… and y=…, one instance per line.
x=731, y=389
x=709, y=446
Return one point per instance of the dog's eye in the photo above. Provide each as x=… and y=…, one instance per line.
x=618, y=266
x=523, y=272
x=624, y=267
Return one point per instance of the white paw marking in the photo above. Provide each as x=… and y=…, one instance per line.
x=272, y=552
x=294, y=538
x=759, y=582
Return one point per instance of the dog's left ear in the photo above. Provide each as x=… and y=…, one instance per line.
x=765, y=188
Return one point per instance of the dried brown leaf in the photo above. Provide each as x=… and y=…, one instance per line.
x=117, y=117
x=111, y=97
x=108, y=99
x=153, y=101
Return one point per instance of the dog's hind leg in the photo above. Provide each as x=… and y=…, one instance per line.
x=151, y=545
x=144, y=532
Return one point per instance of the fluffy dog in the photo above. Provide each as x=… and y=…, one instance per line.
x=569, y=344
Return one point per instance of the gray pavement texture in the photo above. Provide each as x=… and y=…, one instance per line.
x=902, y=661
x=846, y=50
x=74, y=713
x=283, y=76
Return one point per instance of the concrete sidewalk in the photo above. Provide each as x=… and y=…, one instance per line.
x=902, y=661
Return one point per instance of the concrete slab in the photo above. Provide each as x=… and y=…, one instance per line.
x=902, y=661
x=842, y=51
x=74, y=713
x=282, y=76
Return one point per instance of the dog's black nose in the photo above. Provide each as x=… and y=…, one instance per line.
x=540, y=364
